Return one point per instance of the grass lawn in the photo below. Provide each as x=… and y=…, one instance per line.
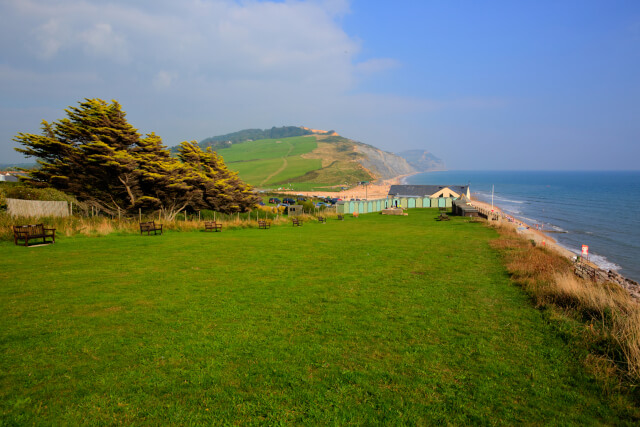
x=271, y=161
x=268, y=149
x=398, y=320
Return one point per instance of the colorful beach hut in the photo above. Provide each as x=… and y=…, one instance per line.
x=426, y=196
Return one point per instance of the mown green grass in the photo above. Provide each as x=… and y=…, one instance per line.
x=398, y=320
x=268, y=149
x=260, y=162
x=296, y=166
x=254, y=172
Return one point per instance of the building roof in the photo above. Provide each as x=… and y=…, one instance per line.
x=424, y=190
x=8, y=178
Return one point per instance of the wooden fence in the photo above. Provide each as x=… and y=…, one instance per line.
x=37, y=208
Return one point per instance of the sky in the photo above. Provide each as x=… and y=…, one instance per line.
x=484, y=85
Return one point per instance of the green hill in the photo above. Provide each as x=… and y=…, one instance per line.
x=301, y=163
x=304, y=159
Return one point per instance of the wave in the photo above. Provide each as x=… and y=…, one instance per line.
x=504, y=199
x=599, y=260
x=485, y=196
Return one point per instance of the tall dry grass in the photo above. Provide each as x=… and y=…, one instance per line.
x=611, y=317
x=102, y=226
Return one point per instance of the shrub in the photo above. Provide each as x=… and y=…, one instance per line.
x=30, y=193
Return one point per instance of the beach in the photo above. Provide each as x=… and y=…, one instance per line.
x=371, y=191
x=525, y=230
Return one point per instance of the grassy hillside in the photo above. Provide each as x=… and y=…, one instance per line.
x=301, y=163
x=337, y=323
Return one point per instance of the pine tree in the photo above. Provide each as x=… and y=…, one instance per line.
x=167, y=183
x=88, y=154
x=222, y=189
x=97, y=156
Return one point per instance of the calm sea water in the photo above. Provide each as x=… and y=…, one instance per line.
x=599, y=209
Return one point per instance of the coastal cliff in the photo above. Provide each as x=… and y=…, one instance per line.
x=423, y=161
x=287, y=157
x=382, y=164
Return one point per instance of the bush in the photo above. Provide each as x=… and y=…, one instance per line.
x=30, y=193
x=308, y=206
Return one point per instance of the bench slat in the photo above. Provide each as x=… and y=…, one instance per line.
x=150, y=226
x=33, y=231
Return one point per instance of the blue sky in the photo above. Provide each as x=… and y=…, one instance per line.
x=483, y=85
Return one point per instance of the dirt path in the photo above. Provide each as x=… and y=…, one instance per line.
x=285, y=163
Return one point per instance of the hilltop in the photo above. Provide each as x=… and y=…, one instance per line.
x=302, y=158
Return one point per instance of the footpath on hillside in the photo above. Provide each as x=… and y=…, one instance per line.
x=285, y=163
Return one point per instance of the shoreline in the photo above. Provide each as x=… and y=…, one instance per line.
x=586, y=269
x=381, y=190
x=525, y=230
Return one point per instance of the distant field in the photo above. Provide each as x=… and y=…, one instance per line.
x=375, y=320
x=272, y=163
x=268, y=149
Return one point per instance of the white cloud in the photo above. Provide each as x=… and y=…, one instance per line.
x=163, y=79
x=51, y=36
x=191, y=69
x=100, y=40
x=299, y=42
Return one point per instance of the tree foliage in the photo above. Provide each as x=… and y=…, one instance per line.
x=97, y=156
x=223, y=141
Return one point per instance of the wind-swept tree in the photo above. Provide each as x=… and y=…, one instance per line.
x=222, y=190
x=97, y=156
x=167, y=183
x=88, y=154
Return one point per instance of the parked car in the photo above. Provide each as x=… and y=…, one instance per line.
x=301, y=199
x=288, y=201
x=335, y=200
x=275, y=200
x=321, y=205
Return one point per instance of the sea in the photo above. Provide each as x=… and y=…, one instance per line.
x=597, y=209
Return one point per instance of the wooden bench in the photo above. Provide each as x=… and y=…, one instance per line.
x=212, y=226
x=148, y=227
x=322, y=219
x=264, y=224
x=296, y=222
x=340, y=217
x=33, y=231
x=443, y=217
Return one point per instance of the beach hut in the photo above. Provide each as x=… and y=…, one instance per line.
x=426, y=196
